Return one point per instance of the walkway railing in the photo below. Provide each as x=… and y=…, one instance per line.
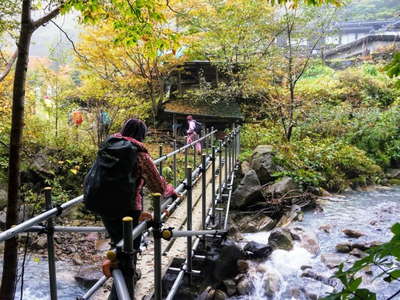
x=227, y=151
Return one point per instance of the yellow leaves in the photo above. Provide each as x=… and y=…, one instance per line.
x=74, y=171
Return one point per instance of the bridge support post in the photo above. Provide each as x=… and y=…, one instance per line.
x=157, y=246
x=220, y=172
x=232, y=152
x=160, y=166
x=174, y=163
x=203, y=191
x=128, y=253
x=50, y=247
x=212, y=136
x=189, y=222
x=229, y=145
x=194, y=156
x=186, y=157
x=213, y=183
x=226, y=161
x=206, y=141
x=234, y=149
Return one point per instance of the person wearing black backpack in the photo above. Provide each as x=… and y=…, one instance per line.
x=114, y=185
x=194, y=132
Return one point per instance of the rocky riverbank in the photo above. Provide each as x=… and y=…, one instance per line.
x=299, y=260
x=272, y=246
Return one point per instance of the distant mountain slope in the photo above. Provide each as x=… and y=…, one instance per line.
x=370, y=10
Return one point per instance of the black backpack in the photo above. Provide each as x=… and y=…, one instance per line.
x=110, y=185
x=198, y=127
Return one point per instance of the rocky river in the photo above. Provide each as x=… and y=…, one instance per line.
x=301, y=273
x=304, y=272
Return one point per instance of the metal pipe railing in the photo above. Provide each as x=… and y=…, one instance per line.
x=9, y=233
x=189, y=221
x=94, y=288
x=160, y=159
x=157, y=246
x=169, y=205
x=120, y=285
x=39, y=228
x=61, y=209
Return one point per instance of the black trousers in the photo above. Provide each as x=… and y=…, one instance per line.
x=114, y=229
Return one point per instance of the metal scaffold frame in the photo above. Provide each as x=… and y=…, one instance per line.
x=225, y=152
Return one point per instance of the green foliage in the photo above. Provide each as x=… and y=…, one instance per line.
x=331, y=164
x=358, y=86
x=386, y=257
x=378, y=133
x=253, y=135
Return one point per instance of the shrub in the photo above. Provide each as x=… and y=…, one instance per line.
x=332, y=165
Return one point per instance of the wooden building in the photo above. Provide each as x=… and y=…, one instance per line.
x=188, y=77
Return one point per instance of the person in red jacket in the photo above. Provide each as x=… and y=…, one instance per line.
x=147, y=175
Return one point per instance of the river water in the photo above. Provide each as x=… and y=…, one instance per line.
x=36, y=281
x=372, y=213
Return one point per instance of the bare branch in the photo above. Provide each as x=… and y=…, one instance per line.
x=9, y=66
x=36, y=24
x=70, y=40
x=172, y=9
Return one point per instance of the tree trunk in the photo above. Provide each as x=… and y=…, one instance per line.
x=10, y=259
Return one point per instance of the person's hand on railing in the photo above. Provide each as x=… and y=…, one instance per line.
x=145, y=216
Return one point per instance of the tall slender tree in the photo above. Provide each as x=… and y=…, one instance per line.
x=133, y=19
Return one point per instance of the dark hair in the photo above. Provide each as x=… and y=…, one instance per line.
x=134, y=128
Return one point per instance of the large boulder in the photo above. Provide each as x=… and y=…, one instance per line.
x=41, y=163
x=256, y=250
x=281, y=239
x=222, y=262
x=393, y=173
x=247, y=191
x=262, y=161
x=282, y=186
x=245, y=167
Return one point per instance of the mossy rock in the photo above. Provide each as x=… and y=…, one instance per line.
x=394, y=181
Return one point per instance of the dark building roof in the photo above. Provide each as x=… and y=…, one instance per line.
x=219, y=110
x=361, y=42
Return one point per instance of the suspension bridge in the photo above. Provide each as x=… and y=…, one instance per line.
x=177, y=225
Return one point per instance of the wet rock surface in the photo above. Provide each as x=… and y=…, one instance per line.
x=247, y=190
x=281, y=239
x=256, y=250
x=262, y=161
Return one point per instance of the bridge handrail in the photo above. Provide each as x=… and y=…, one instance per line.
x=61, y=209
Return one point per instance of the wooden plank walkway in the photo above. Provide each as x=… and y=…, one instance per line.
x=145, y=286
